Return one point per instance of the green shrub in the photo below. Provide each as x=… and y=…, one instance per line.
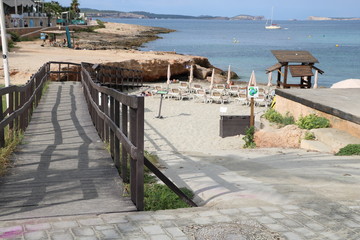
x=15, y=36
x=288, y=119
x=100, y=23
x=160, y=197
x=249, y=138
x=309, y=136
x=348, y=150
x=273, y=116
x=312, y=121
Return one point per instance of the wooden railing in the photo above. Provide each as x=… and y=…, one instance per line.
x=119, y=120
x=18, y=103
x=114, y=77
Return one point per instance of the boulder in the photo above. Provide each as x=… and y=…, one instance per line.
x=156, y=69
x=287, y=137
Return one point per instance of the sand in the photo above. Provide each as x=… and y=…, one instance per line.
x=187, y=125
x=27, y=57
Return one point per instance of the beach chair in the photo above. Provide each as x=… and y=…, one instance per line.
x=156, y=89
x=201, y=95
x=242, y=97
x=174, y=93
x=178, y=94
x=184, y=86
x=218, y=97
x=196, y=87
x=261, y=100
x=233, y=90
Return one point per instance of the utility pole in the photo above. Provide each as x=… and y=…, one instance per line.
x=4, y=49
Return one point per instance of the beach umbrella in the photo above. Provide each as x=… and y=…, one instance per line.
x=316, y=78
x=191, y=77
x=228, y=81
x=168, y=75
x=348, y=83
x=269, y=79
x=212, y=79
x=252, y=81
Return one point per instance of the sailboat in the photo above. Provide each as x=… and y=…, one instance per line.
x=272, y=25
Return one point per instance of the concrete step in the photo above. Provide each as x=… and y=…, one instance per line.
x=314, y=145
x=329, y=140
x=335, y=138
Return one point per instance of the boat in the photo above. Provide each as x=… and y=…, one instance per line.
x=272, y=25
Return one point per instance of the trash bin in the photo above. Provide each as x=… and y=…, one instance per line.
x=232, y=125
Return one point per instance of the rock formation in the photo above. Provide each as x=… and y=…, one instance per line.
x=156, y=69
x=288, y=137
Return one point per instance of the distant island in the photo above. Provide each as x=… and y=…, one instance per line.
x=146, y=15
x=313, y=18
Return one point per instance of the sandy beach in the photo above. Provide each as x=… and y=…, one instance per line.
x=188, y=135
x=188, y=125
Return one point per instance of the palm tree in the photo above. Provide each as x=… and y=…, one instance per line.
x=52, y=9
x=74, y=9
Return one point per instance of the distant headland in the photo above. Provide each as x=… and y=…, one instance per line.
x=313, y=18
x=146, y=15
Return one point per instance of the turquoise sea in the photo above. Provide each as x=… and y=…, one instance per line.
x=246, y=45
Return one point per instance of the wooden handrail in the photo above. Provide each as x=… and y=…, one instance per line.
x=105, y=111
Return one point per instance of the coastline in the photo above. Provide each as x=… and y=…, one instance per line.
x=117, y=42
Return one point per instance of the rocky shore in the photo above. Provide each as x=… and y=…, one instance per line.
x=119, y=36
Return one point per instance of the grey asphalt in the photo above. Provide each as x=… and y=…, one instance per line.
x=246, y=194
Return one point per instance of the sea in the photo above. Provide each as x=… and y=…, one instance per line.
x=246, y=45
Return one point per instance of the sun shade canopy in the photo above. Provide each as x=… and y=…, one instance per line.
x=286, y=56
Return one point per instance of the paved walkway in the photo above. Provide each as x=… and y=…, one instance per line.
x=249, y=194
x=62, y=168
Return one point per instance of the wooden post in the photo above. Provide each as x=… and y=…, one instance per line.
x=252, y=115
x=286, y=75
x=2, y=135
x=124, y=154
x=116, y=140
x=112, y=117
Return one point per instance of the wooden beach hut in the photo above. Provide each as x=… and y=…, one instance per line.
x=300, y=64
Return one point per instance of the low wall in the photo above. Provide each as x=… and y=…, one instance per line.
x=35, y=31
x=296, y=109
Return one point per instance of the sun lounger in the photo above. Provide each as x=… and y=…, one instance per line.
x=242, y=97
x=196, y=87
x=184, y=86
x=233, y=90
x=178, y=94
x=261, y=100
x=201, y=95
x=218, y=97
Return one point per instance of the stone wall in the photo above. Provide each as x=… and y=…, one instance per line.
x=297, y=110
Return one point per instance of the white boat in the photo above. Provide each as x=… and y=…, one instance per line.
x=272, y=25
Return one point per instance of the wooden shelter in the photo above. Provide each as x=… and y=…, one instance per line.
x=300, y=64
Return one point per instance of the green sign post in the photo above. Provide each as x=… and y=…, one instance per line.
x=161, y=92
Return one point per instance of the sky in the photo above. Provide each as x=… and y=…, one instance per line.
x=283, y=9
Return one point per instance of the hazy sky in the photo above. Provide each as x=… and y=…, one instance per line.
x=283, y=9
